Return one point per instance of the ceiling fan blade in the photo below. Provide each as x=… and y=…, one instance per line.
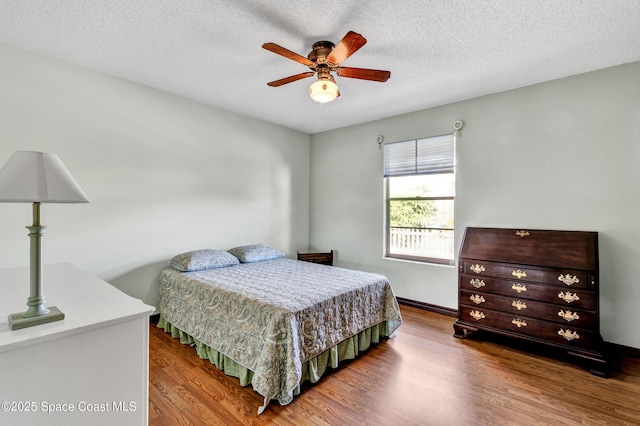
x=291, y=79
x=364, y=74
x=349, y=44
x=272, y=47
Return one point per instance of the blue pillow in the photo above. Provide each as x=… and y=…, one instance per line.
x=256, y=253
x=198, y=260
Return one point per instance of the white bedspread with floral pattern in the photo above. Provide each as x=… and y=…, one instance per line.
x=272, y=316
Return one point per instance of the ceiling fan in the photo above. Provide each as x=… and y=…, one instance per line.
x=324, y=59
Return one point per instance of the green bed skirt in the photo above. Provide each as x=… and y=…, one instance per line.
x=312, y=369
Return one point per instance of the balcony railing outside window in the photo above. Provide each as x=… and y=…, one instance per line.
x=418, y=242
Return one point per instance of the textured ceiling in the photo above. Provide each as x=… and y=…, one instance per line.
x=438, y=51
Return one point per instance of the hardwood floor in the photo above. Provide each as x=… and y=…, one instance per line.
x=421, y=376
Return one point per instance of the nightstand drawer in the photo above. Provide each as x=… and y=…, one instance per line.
x=322, y=258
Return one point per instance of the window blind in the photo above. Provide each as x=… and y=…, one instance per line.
x=419, y=157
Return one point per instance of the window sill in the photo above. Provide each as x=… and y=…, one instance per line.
x=419, y=262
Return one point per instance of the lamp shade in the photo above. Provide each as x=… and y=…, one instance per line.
x=30, y=176
x=323, y=90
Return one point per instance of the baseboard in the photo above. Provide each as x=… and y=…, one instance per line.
x=428, y=307
x=616, y=349
x=611, y=348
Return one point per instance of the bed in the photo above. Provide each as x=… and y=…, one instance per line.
x=271, y=321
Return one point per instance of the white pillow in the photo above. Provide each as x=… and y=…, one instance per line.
x=198, y=260
x=256, y=253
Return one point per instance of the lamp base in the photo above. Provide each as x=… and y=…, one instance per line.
x=17, y=321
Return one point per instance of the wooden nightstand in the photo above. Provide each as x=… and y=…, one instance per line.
x=322, y=258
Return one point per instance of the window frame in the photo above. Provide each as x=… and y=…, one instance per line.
x=387, y=216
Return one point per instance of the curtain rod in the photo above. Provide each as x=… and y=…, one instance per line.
x=457, y=131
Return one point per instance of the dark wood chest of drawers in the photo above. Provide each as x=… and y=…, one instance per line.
x=537, y=285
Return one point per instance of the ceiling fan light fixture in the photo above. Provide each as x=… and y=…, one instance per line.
x=323, y=91
x=324, y=59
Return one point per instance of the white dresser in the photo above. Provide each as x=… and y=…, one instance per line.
x=92, y=367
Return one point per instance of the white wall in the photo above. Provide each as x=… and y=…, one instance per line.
x=559, y=155
x=164, y=174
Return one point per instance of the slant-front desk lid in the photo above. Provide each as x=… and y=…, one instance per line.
x=566, y=249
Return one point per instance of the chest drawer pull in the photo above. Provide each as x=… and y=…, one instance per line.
x=568, y=296
x=519, y=274
x=568, y=315
x=477, y=283
x=477, y=299
x=519, y=305
x=522, y=233
x=477, y=315
x=477, y=268
x=519, y=287
x=568, y=279
x=519, y=322
x=568, y=334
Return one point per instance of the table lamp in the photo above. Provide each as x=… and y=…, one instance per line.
x=37, y=177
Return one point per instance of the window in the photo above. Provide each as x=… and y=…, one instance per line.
x=420, y=193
